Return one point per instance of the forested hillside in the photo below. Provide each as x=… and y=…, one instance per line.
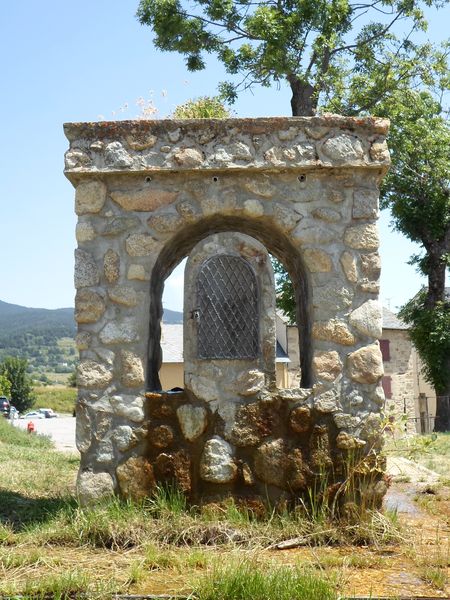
x=45, y=337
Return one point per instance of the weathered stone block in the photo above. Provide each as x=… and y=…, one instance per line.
x=343, y=147
x=362, y=237
x=116, y=156
x=123, y=437
x=90, y=197
x=136, y=478
x=132, y=369
x=327, y=365
x=333, y=331
x=145, y=200
x=83, y=430
x=365, y=365
x=367, y=319
x=348, y=262
x=140, y=244
x=188, y=157
x=371, y=265
x=317, y=261
x=91, y=374
x=119, y=332
x=111, y=266
x=161, y=436
x=300, y=419
x=165, y=223
x=379, y=152
x=255, y=421
x=86, y=271
x=129, y=407
x=84, y=232
x=175, y=468
x=93, y=487
x=138, y=273
x=365, y=204
x=216, y=463
x=89, y=306
x=122, y=294
x=192, y=420
x=327, y=214
x=272, y=462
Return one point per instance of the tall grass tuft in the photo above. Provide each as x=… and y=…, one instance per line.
x=65, y=586
x=248, y=581
x=166, y=500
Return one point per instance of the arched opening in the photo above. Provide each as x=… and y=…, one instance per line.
x=181, y=245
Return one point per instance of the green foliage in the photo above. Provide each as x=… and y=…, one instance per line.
x=15, y=370
x=284, y=291
x=430, y=333
x=5, y=386
x=246, y=580
x=417, y=191
x=72, y=380
x=417, y=188
x=60, y=399
x=43, y=337
x=322, y=49
x=206, y=107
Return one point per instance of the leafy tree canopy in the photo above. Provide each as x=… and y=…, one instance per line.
x=5, y=386
x=417, y=188
x=417, y=192
x=315, y=46
x=15, y=371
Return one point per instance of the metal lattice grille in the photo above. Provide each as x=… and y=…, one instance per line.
x=227, y=295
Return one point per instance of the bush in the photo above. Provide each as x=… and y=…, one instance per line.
x=206, y=107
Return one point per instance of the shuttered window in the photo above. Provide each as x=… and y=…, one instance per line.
x=385, y=350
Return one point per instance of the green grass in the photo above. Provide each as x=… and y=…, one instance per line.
x=35, y=481
x=64, y=586
x=246, y=580
x=60, y=399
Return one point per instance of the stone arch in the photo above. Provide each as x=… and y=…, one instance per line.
x=181, y=244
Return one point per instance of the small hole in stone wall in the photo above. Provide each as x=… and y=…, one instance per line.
x=148, y=179
x=215, y=178
x=302, y=177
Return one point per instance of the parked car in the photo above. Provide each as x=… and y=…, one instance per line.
x=49, y=413
x=34, y=414
x=13, y=412
x=5, y=407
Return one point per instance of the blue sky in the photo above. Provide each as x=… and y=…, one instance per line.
x=80, y=61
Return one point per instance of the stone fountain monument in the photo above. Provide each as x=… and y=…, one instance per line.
x=226, y=193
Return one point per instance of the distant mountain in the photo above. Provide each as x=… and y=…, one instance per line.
x=172, y=317
x=15, y=319
x=46, y=337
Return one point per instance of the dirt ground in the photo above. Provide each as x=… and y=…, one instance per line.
x=416, y=566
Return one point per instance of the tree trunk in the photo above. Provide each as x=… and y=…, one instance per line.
x=436, y=276
x=436, y=293
x=304, y=97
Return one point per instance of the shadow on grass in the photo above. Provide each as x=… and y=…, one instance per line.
x=21, y=512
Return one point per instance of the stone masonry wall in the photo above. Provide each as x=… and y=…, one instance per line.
x=146, y=193
x=400, y=369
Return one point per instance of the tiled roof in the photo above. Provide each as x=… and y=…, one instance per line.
x=391, y=321
x=172, y=344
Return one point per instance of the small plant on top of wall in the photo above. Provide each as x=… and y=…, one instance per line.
x=205, y=107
